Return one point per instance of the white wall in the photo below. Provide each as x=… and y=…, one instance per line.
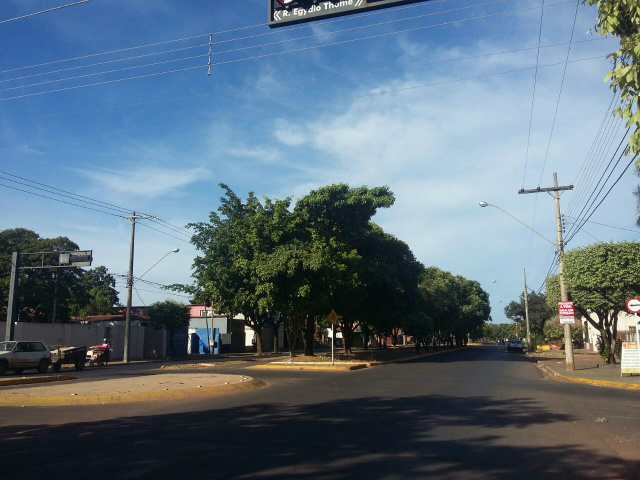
x=80, y=336
x=625, y=320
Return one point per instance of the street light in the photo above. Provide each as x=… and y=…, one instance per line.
x=526, y=299
x=175, y=250
x=485, y=204
x=127, y=323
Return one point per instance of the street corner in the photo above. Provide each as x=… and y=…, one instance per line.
x=575, y=377
x=146, y=388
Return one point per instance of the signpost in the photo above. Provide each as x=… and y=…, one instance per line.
x=630, y=360
x=633, y=305
x=333, y=318
x=288, y=12
x=567, y=313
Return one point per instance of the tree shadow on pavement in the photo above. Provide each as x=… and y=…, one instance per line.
x=436, y=437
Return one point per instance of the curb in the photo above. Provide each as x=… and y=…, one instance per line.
x=359, y=366
x=329, y=368
x=104, y=399
x=31, y=380
x=586, y=381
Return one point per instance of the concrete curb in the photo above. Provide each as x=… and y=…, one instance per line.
x=343, y=367
x=586, y=381
x=31, y=380
x=104, y=399
x=302, y=366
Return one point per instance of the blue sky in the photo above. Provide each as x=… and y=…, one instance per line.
x=291, y=121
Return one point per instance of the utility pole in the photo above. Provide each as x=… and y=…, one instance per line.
x=127, y=325
x=12, y=307
x=568, y=345
x=526, y=310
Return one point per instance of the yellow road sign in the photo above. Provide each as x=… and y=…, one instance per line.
x=333, y=316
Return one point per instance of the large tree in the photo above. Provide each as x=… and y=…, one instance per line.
x=169, y=315
x=44, y=295
x=234, y=244
x=539, y=311
x=599, y=279
x=94, y=293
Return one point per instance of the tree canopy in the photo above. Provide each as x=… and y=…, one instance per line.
x=262, y=257
x=52, y=295
x=539, y=311
x=599, y=279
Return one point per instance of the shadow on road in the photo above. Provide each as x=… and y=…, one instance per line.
x=418, y=437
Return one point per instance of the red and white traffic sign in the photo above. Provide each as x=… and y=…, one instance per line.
x=633, y=305
x=567, y=313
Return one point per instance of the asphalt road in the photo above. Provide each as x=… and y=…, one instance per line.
x=476, y=413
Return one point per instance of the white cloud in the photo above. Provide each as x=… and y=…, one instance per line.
x=263, y=154
x=145, y=180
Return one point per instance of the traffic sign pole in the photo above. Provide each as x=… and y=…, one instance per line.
x=333, y=341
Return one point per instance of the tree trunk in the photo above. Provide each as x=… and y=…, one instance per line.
x=292, y=335
x=346, y=338
x=258, y=332
x=309, y=330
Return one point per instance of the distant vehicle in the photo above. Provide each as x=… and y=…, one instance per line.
x=515, y=345
x=18, y=356
x=500, y=341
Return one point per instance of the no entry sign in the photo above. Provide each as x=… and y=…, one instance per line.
x=633, y=305
x=567, y=313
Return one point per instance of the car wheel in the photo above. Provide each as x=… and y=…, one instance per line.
x=43, y=366
x=56, y=366
x=80, y=365
x=3, y=368
x=17, y=371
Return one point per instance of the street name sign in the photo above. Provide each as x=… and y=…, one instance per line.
x=630, y=360
x=567, y=313
x=288, y=12
x=633, y=305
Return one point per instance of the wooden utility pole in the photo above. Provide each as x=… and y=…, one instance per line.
x=12, y=306
x=127, y=324
x=526, y=311
x=568, y=345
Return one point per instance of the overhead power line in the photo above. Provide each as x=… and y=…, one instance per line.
x=43, y=11
x=610, y=226
x=272, y=54
x=605, y=196
x=220, y=32
x=164, y=233
x=570, y=235
x=107, y=62
x=302, y=82
x=334, y=100
x=533, y=96
x=555, y=113
x=58, y=200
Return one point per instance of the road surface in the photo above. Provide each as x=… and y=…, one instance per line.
x=478, y=413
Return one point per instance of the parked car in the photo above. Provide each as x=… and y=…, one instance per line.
x=515, y=345
x=18, y=356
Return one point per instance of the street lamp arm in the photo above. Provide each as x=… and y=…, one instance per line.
x=485, y=204
x=175, y=250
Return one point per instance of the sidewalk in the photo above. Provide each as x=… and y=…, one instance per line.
x=589, y=369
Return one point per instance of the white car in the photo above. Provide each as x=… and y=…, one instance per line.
x=18, y=356
x=515, y=345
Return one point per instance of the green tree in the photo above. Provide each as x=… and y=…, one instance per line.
x=539, y=311
x=336, y=220
x=621, y=18
x=43, y=294
x=169, y=315
x=94, y=293
x=235, y=243
x=599, y=279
